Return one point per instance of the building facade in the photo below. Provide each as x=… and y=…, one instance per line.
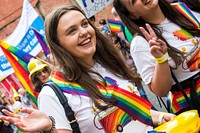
x=10, y=12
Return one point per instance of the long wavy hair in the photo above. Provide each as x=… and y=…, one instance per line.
x=36, y=81
x=73, y=70
x=170, y=13
x=192, y=4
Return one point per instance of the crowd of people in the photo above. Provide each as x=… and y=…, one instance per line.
x=100, y=86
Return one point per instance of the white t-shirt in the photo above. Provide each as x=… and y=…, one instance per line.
x=145, y=62
x=197, y=15
x=83, y=108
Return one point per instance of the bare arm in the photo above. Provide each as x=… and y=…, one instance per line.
x=161, y=81
x=36, y=121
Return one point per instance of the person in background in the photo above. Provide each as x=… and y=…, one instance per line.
x=164, y=42
x=17, y=105
x=93, y=74
x=128, y=36
x=104, y=27
x=25, y=98
x=92, y=19
x=39, y=73
x=5, y=126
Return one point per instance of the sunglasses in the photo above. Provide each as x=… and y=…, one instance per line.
x=39, y=73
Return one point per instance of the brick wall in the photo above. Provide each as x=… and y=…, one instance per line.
x=10, y=11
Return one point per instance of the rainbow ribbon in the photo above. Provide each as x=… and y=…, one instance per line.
x=130, y=103
x=184, y=10
x=176, y=101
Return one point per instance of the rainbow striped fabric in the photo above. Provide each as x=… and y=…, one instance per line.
x=194, y=63
x=115, y=25
x=19, y=69
x=22, y=57
x=130, y=103
x=115, y=121
x=176, y=101
x=183, y=9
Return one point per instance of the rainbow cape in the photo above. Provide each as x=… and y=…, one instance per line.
x=115, y=25
x=184, y=10
x=130, y=103
x=20, y=71
x=42, y=41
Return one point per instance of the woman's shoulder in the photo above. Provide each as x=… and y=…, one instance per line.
x=139, y=43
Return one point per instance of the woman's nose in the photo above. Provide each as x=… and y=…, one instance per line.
x=83, y=32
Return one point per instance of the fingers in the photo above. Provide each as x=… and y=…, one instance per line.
x=8, y=113
x=27, y=110
x=148, y=34
x=145, y=33
x=151, y=31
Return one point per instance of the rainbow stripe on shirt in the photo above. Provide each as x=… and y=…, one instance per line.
x=130, y=103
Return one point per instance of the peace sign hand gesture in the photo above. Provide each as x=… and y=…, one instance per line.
x=157, y=46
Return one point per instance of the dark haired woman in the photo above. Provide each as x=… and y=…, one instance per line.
x=163, y=45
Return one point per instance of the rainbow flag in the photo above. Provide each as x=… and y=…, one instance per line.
x=42, y=41
x=130, y=103
x=21, y=72
x=184, y=10
x=115, y=25
x=23, y=57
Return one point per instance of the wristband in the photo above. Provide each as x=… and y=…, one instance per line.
x=52, y=126
x=163, y=58
x=160, y=118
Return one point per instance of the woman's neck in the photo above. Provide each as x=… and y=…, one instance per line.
x=156, y=16
x=88, y=62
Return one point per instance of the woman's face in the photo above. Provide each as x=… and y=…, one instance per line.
x=76, y=35
x=140, y=8
x=43, y=75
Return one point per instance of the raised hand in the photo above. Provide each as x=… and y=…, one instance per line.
x=157, y=46
x=35, y=121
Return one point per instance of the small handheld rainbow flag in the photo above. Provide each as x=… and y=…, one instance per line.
x=115, y=25
x=183, y=9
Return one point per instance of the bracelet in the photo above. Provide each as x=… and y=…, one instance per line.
x=160, y=118
x=52, y=126
x=163, y=58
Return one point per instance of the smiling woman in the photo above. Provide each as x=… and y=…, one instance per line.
x=99, y=86
x=164, y=39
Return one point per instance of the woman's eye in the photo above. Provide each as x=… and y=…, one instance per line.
x=72, y=31
x=85, y=24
